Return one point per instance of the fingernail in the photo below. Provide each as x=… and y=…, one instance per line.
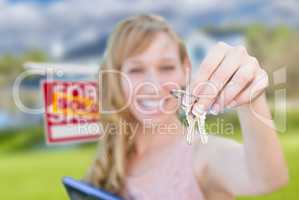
x=215, y=109
x=198, y=109
x=212, y=112
x=231, y=104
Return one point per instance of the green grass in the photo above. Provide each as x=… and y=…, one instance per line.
x=35, y=173
x=290, y=142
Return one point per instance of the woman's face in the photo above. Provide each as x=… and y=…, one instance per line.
x=149, y=77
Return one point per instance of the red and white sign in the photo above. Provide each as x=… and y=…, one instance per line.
x=71, y=111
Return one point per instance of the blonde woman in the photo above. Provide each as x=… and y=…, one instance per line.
x=144, y=154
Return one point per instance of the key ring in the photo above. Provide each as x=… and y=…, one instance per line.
x=192, y=119
x=179, y=94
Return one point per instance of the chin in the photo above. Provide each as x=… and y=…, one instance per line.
x=154, y=119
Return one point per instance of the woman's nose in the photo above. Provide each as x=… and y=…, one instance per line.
x=152, y=82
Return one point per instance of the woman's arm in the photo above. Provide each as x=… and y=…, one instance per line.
x=262, y=149
x=229, y=77
x=225, y=167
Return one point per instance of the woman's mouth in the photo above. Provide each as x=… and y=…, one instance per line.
x=151, y=106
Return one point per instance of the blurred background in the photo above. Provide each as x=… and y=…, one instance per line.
x=75, y=32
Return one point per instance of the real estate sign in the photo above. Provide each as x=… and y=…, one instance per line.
x=71, y=111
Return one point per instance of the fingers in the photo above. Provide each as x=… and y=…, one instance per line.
x=209, y=65
x=230, y=64
x=251, y=91
x=255, y=89
x=228, y=77
x=244, y=75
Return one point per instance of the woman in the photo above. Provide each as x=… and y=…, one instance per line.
x=143, y=153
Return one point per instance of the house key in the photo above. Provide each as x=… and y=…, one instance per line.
x=195, y=116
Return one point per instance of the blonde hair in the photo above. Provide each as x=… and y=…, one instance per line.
x=131, y=36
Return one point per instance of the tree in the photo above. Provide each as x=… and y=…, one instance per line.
x=276, y=47
x=12, y=65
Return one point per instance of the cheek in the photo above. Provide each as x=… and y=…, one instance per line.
x=129, y=86
x=174, y=80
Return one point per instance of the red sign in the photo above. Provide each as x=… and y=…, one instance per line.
x=71, y=111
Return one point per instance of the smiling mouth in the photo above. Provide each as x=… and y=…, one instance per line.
x=152, y=105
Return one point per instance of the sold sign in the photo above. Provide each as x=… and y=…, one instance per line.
x=71, y=111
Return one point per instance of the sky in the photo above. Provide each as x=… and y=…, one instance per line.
x=56, y=25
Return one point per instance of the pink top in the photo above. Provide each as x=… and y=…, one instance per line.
x=174, y=178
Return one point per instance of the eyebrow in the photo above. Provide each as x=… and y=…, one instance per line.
x=168, y=59
x=140, y=62
x=135, y=62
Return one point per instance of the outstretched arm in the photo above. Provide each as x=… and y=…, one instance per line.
x=262, y=150
x=229, y=77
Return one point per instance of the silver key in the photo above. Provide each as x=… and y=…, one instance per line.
x=200, y=116
x=195, y=119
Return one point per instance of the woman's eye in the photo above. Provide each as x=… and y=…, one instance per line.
x=167, y=68
x=135, y=70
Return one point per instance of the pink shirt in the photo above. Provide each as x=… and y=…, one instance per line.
x=174, y=178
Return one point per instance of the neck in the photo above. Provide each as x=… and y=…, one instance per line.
x=154, y=136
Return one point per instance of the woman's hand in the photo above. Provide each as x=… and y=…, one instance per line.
x=228, y=77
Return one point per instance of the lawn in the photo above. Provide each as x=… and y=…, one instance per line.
x=36, y=174
x=290, y=144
